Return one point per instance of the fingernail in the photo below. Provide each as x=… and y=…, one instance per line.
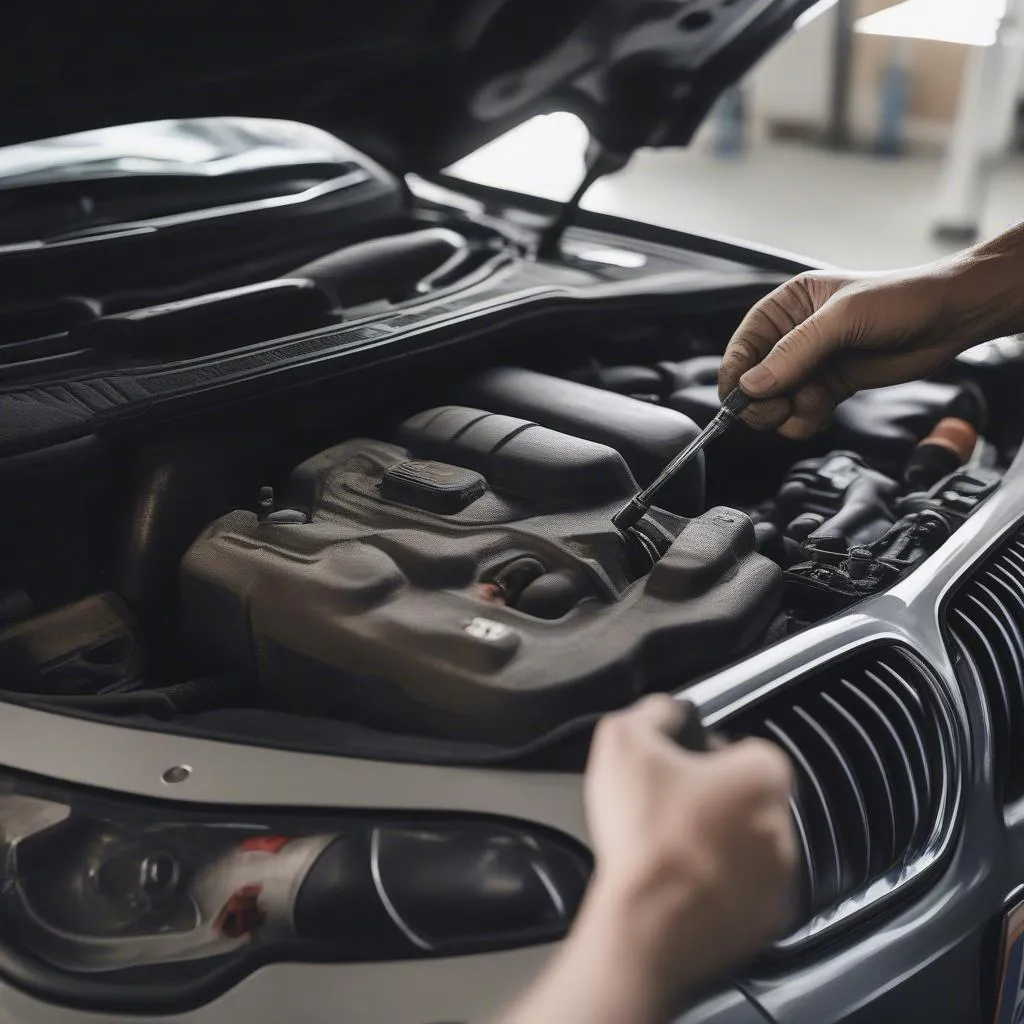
x=757, y=380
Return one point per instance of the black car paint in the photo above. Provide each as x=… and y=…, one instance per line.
x=414, y=84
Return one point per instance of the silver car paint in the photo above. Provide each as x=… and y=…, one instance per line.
x=463, y=989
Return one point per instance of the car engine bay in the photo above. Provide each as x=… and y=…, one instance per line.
x=416, y=556
x=317, y=570
x=455, y=576
x=349, y=486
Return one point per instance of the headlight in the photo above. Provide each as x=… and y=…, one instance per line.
x=96, y=890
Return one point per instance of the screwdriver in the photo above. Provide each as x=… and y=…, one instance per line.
x=640, y=504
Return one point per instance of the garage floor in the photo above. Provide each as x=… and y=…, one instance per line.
x=851, y=210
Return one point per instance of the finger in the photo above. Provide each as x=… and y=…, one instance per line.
x=796, y=357
x=760, y=765
x=658, y=712
x=765, y=324
x=751, y=342
x=768, y=415
x=717, y=742
x=655, y=715
x=811, y=409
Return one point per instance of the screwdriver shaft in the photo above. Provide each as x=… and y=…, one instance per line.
x=736, y=401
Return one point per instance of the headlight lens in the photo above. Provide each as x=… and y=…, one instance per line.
x=92, y=888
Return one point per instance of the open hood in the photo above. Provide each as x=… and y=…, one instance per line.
x=415, y=83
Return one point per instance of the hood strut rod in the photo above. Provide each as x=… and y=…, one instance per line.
x=600, y=162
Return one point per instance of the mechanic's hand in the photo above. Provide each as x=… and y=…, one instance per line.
x=820, y=337
x=695, y=858
x=696, y=851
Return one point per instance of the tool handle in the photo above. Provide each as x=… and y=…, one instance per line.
x=735, y=402
x=692, y=735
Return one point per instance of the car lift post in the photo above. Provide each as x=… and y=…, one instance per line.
x=837, y=130
x=986, y=108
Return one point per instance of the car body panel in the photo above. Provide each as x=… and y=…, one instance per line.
x=951, y=916
x=445, y=76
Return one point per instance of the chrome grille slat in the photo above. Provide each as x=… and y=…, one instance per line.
x=876, y=754
x=984, y=625
x=819, y=820
x=900, y=783
x=886, y=842
x=986, y=605
x=809, y=880
x=853, y=828
x=984, y=664
x=914, y=742
x=1006, y=584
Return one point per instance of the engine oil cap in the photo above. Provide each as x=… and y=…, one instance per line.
x=432, y=486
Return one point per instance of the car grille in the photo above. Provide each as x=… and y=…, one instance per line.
x=872, y=743
x=985, y=631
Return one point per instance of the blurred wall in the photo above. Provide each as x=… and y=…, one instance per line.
x=789, y=90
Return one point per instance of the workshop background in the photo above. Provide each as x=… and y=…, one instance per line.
x=879, y=134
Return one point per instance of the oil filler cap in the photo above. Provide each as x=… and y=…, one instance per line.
x=432, y=486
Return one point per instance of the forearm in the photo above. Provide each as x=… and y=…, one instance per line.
x=986, y=289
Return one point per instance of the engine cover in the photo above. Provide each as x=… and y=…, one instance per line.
x=467, y=582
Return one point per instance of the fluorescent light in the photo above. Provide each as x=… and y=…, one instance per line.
x=968, y=22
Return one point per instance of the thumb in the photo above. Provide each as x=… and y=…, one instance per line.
x=794, y=358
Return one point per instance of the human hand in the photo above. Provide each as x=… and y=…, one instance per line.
x=695, y=862
x=696, y=853
x=820, y=337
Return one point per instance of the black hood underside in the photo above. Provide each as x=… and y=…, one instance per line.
x=416, y=84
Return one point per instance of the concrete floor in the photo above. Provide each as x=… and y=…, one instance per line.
x=851, y=210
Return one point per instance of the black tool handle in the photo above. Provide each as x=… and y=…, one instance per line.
x=735, y=402
x=691, y=734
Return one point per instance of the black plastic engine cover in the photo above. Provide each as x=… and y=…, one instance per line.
x=647, y=436
x=469, y=584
